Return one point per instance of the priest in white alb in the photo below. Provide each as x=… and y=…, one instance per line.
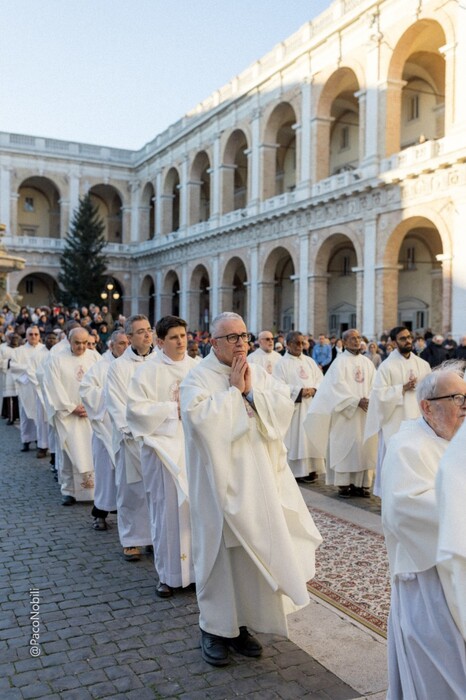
x=336, y=420
x=63, y=374
x=426, y=647
x=265, y=355
x=93, y=398
x=303, y=376
x=393, y=396
x=254, y=539
x=132, y=509
x=153, y=416
x=27, y=359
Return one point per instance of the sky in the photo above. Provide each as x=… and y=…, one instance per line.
x=118, y=72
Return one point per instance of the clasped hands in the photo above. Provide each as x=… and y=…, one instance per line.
x=240, y=376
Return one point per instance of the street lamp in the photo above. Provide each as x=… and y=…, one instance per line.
x=110, y=294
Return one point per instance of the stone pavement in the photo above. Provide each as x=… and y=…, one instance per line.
x=102, y=632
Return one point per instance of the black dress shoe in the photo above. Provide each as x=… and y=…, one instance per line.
x=246, y=644
x=344, y=491
x=25, y=447
x=164, y=591
x=214, y=649
x=68, y=501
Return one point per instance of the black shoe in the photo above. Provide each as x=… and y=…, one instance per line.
x=309, y=479
x=246, y=644
x=344, y=491
x=68, y=501
x=25, y=447
x=100, y=524
x=10, y=422
x=163, y=590
x=366, y=492
x=214, y=649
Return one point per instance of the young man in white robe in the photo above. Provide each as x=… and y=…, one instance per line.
x=426, y=651
x=93, y=398
x=27, y=359
x=336, y=420
x=132, y=509
x=265, y=355
x=303, y=376
x=63, y=374
x=254, y=539
x=153, y=416
x=393, y=397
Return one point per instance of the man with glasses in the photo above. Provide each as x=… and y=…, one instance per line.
x=393, y=397
x=426, y=651
x=254, y=540
x=265, y=355
x=133, y=512
x=336, y=420
x=303, y=376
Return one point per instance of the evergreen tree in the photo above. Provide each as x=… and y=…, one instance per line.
x=83, y=264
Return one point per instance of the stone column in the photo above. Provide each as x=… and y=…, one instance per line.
x=266, y=293
x=158, y=294
x=268, y=169
x=214, y=172
x=254, y=160
x=253, y=295
x=5, y=185
x=184, y=193
x=304, y=176
x=456, y=268
x=437, y=320
x=367, y=317
x=386, y=296
x=227, y=175
x=13, y=230
x=193, y=194
x=318, y=311
x=158, y=205
x=184, y=291
x=389, y=122
x=320, y=138
x=303, y=300
x=214, y=289
x=134, y=188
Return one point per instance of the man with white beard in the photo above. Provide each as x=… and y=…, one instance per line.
x=153, y=415
x=336, y=420
x=62, y=377
x=265, y=355
x=303, y=376
x=23, y=367
x=254, y=539
x=132, y=509
x=93, y=398
x=393, y=396
x=426, y=650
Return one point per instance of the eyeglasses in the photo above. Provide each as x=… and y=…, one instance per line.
x=233, y=338
x=458, y=399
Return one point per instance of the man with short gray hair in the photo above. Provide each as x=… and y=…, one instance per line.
x=426, y=651
x=254, y=540
x=265, y=355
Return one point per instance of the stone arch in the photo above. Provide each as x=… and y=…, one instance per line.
x=199, y=189
x=416, y=264
x=199, y=299
x=146, y=298
x=337, y=138
x=109, y=203
x=235, y=173
x=147, y=213
x=279, y=163
x=39, y=209
x=336, y=293
x=171, y=202
x=415, y=94
x=38, y=289
x=170, y=305
x=234, y=296
x=278, y=301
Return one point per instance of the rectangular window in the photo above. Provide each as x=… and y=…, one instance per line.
x=29, y=286
x=344, y=138
x=413, y=108
x=420, y=319
x=346, y=271
x=411, y=258
x=28, y=204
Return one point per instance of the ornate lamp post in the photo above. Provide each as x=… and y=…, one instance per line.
x=110, y=293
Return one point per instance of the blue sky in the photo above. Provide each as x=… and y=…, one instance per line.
x=117, y=72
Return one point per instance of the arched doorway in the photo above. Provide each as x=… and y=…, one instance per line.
x=278, y=292
x=235, y=173
x=199, y=299
x=279, y=161
x=38, y=208
x=38, y=289
x=109, y=206
x=234, y=290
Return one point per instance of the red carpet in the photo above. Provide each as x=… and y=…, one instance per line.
x=352, y=571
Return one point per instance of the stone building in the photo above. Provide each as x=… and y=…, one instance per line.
x=322, y=188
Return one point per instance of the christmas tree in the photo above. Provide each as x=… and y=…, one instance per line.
x=83, y=264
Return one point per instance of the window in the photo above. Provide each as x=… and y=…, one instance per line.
x=344, y=138
x=411, y=258
x=413, y=108
x=346, y=266
x=28, y=204
x=29, y=286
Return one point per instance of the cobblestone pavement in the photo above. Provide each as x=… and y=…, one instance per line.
x=103, y=633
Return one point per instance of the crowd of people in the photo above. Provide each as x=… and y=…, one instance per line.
x=198, y=442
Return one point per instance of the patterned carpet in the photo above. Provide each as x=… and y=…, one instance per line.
x=352, y=571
